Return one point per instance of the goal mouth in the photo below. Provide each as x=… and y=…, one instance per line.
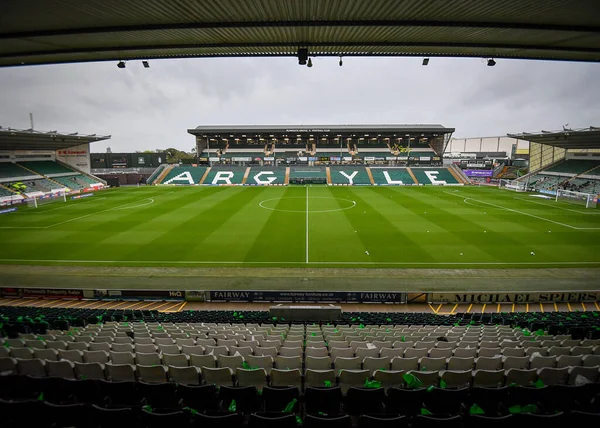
x=587, y=200
x=514, y=185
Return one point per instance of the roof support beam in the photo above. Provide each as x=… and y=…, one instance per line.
x=298, y=24
x=277, y=45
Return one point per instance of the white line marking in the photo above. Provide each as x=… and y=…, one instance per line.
x=151, y=201
x=91, y=214
x=523, y=213
x=306, y=224
x=260, y=204
x=560, y=208
x=60, y=208
x=205, y=262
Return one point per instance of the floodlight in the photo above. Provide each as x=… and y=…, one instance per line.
x=425, y=61
x=302, y=56
x=145, y=64
x=341, y=62
x=309, y=63
x=491, y=62
x=121, y=64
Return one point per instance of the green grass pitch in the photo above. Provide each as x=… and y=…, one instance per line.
x=316, y=226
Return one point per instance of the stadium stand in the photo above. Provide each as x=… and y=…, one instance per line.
x=266, y=175
x=573, y=166
x=12, y=170
x=184, y=175
x=356, y=176
x=72, y=364
x=383, y=176
x=41, y=185
x=434, y=176
x=5, y=192
x=308, y=174
x=47, y=168
x=226, y=175
x=75, y=182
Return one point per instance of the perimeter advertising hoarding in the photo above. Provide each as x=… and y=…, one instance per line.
x=52, y=293
x=478, y=172
x=140, y=294
x=304, y=296
x=544, y=297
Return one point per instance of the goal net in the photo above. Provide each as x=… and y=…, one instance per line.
x=514, y=185
x=586, y=199
x=38, y=201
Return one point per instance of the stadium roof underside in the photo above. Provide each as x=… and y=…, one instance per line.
x=587, y=138
x=17, y=139
x=331, y=130
x=59, y=31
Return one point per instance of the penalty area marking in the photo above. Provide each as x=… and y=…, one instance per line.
x=353, y=204
x=149, y=201
x=522, y=213
x=557, y=207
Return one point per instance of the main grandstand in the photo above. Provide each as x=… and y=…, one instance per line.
x=313, y=276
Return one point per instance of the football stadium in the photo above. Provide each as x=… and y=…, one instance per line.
x=327, y=275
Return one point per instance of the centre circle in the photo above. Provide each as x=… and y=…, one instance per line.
x=316, y=204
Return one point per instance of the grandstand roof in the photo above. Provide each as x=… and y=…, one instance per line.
x=28, y=139
x=57, y=31
x=321, y=129
x=585, y=138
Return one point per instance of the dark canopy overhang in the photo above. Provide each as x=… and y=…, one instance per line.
x=58, y=31
x=587, y=138
x=27, y=139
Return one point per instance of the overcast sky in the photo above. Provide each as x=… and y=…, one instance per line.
x=153, y=108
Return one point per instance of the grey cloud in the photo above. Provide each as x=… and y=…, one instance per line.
x=153, y=108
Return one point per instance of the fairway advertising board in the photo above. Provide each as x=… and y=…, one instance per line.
x=547, y=297
x=140, y=294
x=304, y=296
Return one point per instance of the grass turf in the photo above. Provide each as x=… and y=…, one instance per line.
x=400, y=227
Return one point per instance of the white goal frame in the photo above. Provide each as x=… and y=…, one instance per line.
x=589, y=200
x=36, y=201
x=514, y=185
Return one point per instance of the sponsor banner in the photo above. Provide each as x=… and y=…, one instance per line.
x=269, y=158
x=85, y=195
x=478, y=172
x=241, y=159
x=425, y=158
x=140, y=294
x=52, y=293
x=544, y=297
x=8, y=210
x=546, y=192
x=212, y=159
x=302, y=159
x=76, y=156
x=195, y=296
x=369, y=158
x=304, y=296
x=10, y=292
x=335, y=158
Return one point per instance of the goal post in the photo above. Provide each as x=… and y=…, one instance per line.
x=588, y=200
x=514, y=185
x=37, y=201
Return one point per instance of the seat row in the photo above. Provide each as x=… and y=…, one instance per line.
x=99, y=403
x=259, y=376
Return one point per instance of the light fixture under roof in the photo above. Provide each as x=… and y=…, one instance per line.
x=425, y=61
x=146, y=64
x=121, y=64
x=491, y=62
